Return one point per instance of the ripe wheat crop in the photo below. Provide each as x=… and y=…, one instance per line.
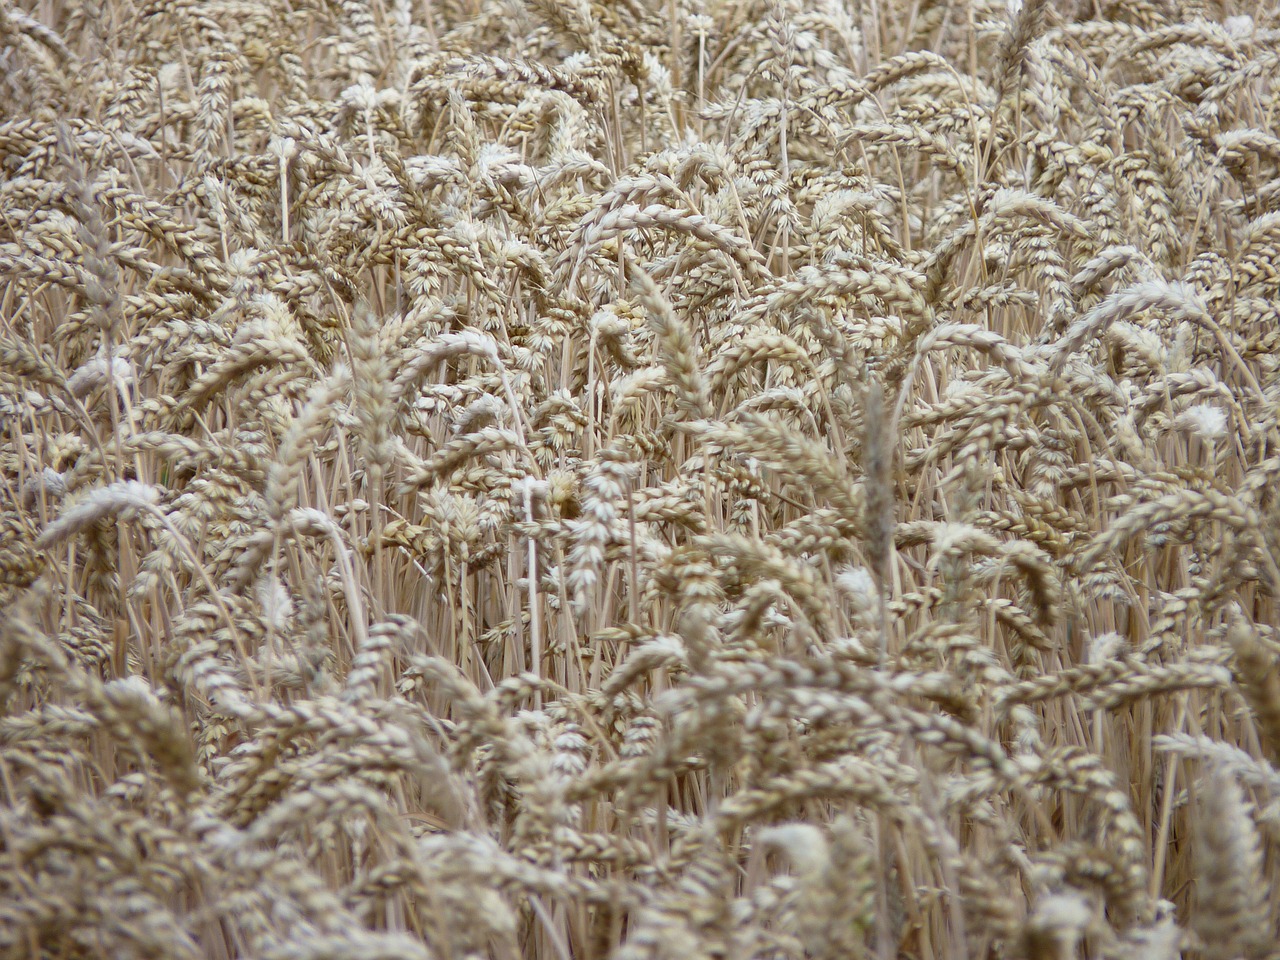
x=627, y=480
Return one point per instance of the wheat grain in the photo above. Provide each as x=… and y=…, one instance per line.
x=618, y=480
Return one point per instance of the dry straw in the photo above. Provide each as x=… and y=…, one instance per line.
x=731, y=479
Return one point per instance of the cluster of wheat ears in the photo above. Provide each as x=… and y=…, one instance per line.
x=570, y=479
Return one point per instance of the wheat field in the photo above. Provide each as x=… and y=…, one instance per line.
x=639, y=479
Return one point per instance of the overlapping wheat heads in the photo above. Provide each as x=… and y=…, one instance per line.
x=734, y=479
